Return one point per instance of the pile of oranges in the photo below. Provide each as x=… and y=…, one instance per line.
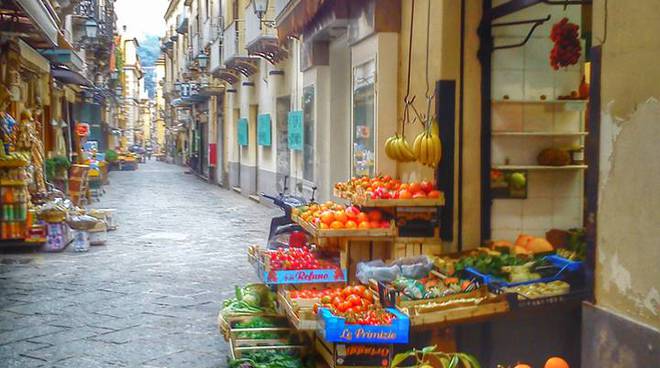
x=553, y=362
x=331, y=215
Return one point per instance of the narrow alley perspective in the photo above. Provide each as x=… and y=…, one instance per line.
x=329, y=183
x=149, y=298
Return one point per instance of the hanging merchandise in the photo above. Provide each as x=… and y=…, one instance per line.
x=397, y=147
x=567, y=49
x=427, y=145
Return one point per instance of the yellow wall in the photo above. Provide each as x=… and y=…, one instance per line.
x=629, y=205
x=444, y=63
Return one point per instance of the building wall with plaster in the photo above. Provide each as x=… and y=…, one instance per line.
x=622, y=329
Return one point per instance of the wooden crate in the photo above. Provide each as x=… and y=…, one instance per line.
x=337, y=355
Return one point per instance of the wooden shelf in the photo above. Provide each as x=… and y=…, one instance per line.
x=361, y=200
x=538, y=167
x=548, y=102
x=539, y=134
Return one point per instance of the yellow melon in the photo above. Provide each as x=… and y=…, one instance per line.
x=539, y=245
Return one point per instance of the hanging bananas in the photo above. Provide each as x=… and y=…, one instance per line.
x=428, y=148
x=397, y=148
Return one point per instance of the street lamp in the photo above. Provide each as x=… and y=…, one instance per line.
x=203, y=60
x=91, y=28
x=260, y=7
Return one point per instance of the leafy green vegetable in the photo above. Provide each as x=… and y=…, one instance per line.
x=267, y=359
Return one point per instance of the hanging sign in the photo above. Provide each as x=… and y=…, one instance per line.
x=243, y=132
x=296, y=130
x=263, y=130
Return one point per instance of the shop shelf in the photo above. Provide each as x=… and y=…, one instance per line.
x=539, y=101
x=346, y=233
x=538, y=134
x=361, y=200
x=517, y=301
x=335, y=329
x=539, y=167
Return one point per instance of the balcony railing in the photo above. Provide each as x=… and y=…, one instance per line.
x=253, y=29
x=182, y=23
x=233, y=41
x=216, y=60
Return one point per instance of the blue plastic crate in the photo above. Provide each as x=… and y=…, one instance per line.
x=492, y=280
x=562, y=262
x=335, y=329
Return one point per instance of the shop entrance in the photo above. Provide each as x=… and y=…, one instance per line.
x=283, y=106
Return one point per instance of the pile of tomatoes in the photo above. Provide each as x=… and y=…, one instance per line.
x=331, y=215
x=384, y=187
x=295, y=259
x=356, y=305
x=567, y=47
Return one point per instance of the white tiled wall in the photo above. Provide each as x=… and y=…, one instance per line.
x=554, y=197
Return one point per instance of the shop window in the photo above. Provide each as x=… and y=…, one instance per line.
x=363, y=125
x=308, y=139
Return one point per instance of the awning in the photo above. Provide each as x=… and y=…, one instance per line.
x=33, y=58
x=42, y=17
x=68, y=76
x=296, y=16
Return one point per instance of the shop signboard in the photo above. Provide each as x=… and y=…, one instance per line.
x=296, y=132
x=243, y=132
x=314, y=276
x=263, y=130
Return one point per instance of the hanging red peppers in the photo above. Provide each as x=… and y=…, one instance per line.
x=567, y=47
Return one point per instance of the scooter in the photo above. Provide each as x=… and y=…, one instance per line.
x=282, y=225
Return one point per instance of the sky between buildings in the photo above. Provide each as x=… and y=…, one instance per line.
x=142, y=17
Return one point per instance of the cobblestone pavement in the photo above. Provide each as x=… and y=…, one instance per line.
x=150, y=297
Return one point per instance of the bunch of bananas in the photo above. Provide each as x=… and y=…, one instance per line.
x=15, y=156
x=428, y=148
x=397, y=148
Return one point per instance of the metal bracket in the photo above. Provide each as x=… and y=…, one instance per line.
x=535, y=22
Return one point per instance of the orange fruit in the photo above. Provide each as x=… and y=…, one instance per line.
x=403, y=186
x=404, y=194
x=337, y=225
x=419, y=194
x=521, y=365
x=328, y=217
x=362, y=217
x=323, y=225
x=375, y=215
x=338, y=207
x=434, y=194
x=414, y=188
x=556, y=362
x=341, y=216
x=374, y=224
x=317, y=214
x=350, y=224
x=329, y=204
x=363, y=225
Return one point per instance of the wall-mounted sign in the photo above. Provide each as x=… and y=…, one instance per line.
x=296, y=130
x=263, y=130
x=243, y=132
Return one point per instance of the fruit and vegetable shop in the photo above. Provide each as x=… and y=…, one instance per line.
x=464, y=235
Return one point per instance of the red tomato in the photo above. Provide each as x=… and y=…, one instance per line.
x=293, y=294
x=360, y=289
x=434, y=194
x=345, y=306
x=374, y=224
x=336, y=301
x=352, y=212
x=419, y=194
x=414, y=188
x=354, y=299
x=375, y=215
x=426, y=186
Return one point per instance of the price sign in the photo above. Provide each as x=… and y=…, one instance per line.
x=263, y=130
x=296, y=130
x=243, y=132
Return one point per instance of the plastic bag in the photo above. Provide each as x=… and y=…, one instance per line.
x=415, y=267
x=377, y=270
x=83, y=222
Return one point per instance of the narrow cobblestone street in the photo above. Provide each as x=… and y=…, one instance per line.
x=150, y=297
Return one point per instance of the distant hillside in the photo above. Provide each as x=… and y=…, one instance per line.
x=149, y=51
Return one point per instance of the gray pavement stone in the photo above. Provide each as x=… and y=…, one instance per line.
x=150, y=297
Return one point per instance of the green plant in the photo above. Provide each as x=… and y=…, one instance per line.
x=427, y=356
x=55, y=165
x=111, y=155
